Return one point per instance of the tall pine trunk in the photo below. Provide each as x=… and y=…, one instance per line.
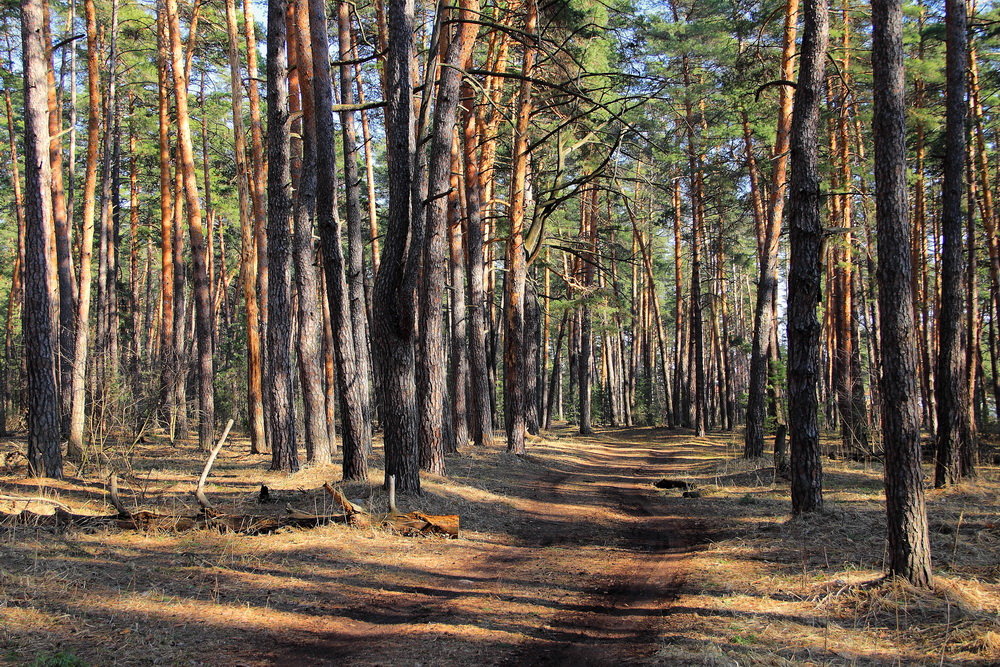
x=763, y=318
x=356, y=232
x=248, y=247
x=481, y=418
x=202, y=288
x=951, y=389
x=278, y=407
x=514, y=359
x=806, y=240
x=309, y=340
x=352, y=389
x=41, y=289
x=908, y=543
x=392, y=295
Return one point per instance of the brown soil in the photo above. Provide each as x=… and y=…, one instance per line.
x=567, y=556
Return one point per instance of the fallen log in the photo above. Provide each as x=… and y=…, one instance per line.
x=418, y=523
x=411, y=524
x=245, y=524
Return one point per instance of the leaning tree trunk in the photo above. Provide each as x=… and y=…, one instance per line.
x=908, y=543
x=806, y=239
x=202, y=288
x=514, y=360
x=41, y=295
x=352, y=387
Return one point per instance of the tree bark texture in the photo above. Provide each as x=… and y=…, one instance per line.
x=432, y=368
x=356, y=233
x=951, y=389
x=481, y=420
x=248, y=246
x=514, y=359
x=392, y=297
x=279, y=412
x=806, y=239
x=41, y=288
x=763, y=321
x=309, y=341
x=352, y=387
x=908, y=543
x=202, y=288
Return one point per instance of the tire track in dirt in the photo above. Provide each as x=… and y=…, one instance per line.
x=613, y=561
x=622, y=618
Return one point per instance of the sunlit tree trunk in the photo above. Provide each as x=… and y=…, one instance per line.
x=41, y=288
x=168, y=360
x=356, y=233
x=310, y=309
x=61, y=227
x=258, y=165
x=588, y=232
x=763, y=323
x=75, y=448
x=106, y=366
x=202, y=288
x=355, y=419
x=248, y=248
x=432, y=368
x=481, y=417
x=458, y=374
x=514, y=359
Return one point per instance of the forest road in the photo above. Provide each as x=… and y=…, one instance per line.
x=626, y=610
x=584, y=570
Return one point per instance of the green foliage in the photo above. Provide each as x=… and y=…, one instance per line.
x=59, y=659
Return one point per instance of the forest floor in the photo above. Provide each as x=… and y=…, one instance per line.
x=570, y=555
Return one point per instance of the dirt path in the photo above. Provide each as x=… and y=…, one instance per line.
x=621, y=619
x=592, y=564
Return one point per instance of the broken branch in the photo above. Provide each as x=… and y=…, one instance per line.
x=199, y=491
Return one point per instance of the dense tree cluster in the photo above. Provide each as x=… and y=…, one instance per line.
x=436, y=221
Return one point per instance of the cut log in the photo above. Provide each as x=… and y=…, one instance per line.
x=418, y=523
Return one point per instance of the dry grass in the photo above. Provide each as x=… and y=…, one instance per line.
x=777, y=590
x=760, y=588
